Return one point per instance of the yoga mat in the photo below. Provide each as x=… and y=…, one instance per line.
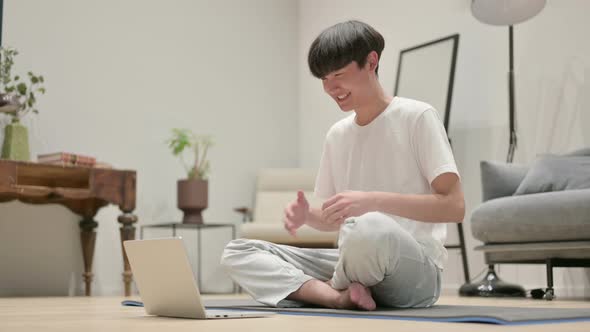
x=436, y=313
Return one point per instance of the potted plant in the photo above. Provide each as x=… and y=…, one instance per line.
x=192, y=192
x=17, y=99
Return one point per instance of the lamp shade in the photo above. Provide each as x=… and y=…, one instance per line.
x=505, y=12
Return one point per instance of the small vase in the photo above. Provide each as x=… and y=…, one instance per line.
x=192, y=198
x=16, y=142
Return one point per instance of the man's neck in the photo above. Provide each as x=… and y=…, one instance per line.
x=375, y=106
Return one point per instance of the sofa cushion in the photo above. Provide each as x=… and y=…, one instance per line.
x=551, y=216
x=555, y=173
x=500, y=179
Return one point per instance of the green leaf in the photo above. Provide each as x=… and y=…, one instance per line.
x=22, y=89
x=179, y=147
x=41, y=79
x=34, y=80
x=36, y=111
x=42, y=90
x=16, y=78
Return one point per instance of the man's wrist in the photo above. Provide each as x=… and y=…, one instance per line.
x=378, y=200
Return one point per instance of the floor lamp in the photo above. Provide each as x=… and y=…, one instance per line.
x=503, y=13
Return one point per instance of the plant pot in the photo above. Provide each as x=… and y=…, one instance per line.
x=192, y=198
x=16, y=142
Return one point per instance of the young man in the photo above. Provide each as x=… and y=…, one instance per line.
x=389, y=181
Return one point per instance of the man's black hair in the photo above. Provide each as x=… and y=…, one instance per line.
x=340, y=44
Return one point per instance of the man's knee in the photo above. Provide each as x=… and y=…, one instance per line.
x=367, y=250
x=236, y=250
x=371, y=232
x=370, y=241
x=232, y=250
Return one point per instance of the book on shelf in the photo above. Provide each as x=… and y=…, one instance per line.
x=66, y=158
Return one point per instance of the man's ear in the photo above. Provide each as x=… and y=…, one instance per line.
x=373, y=60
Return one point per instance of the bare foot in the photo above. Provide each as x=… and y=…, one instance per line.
x=357, y=296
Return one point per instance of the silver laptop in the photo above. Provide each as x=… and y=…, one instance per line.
x=166, y=284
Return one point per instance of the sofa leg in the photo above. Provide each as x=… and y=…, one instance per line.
x=549, y=292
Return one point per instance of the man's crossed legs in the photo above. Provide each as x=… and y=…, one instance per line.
x=377, y=263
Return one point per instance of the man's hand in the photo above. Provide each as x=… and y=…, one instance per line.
x=296, y=213
x=347, y=204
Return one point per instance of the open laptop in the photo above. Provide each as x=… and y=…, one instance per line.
x=166, y=283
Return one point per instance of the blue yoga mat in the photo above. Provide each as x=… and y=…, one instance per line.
x=437, y=313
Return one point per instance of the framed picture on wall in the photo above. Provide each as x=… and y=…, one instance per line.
x=426, y=72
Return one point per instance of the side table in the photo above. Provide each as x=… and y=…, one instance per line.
x=176, y=225
x=84, y=191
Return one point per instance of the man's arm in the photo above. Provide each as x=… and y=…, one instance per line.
x=445, y=205
x=314, y=220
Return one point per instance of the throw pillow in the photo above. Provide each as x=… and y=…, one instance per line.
x=555, y=173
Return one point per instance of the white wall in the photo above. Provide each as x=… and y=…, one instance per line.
x=552, y=60
x=119, y=76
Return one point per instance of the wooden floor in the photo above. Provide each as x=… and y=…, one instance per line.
x=106, y=314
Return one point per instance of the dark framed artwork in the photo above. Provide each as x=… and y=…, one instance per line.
x=426, y=72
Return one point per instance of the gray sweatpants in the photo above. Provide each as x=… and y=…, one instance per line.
x=372, y=250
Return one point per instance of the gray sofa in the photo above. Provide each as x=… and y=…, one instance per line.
x=538, y=214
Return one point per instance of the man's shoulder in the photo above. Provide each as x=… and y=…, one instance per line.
x=412, y=107
x=340, y=126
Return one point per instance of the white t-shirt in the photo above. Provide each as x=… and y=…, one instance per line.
x=402, y=150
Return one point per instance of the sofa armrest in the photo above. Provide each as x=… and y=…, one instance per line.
x=245, y=212
x=500, y=179
x=557, y=215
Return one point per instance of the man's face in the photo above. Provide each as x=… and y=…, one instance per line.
x=348, y=85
